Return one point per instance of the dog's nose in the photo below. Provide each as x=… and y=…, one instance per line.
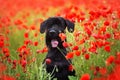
x=52, y=32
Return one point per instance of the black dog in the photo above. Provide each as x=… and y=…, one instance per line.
x=58, y=64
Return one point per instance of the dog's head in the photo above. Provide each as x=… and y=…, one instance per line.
x=53, y=26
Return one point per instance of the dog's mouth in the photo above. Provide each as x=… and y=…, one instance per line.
x=54, y=43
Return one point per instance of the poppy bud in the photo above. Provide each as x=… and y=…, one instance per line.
x=48, y=61
x=87, y=56
x=70, y=68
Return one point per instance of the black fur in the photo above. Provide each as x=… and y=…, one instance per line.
x=52, y=27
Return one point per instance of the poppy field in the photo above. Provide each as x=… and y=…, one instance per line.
x=94, y=46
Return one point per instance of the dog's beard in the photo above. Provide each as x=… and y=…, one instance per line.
x=54, y=43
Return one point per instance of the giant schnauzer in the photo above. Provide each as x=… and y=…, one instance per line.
x=58, y=64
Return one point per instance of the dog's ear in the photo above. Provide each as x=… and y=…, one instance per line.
x=43, y=26
x=70, y=26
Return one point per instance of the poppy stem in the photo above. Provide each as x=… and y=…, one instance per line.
x=64, y=55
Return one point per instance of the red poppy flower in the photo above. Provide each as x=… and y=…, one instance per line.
x=97, y=68
x=81, y=41
x=23, y=50
x=102, y=71
x=87, y=30
x=14, y=62
x=23, y=63
x=117, y=59
x=94, y=15
x=3, y=67
x=77, y=33
x=26, y=51
x=117, y=35
x=36, y=34
x=26, y=34
x=99, y=43
x=9, y=60
x=36, y=43
x=82, y=18
x=70, y=68
x=45, y=49
x=93, y=49
x=18, y=22
x=87, y=56
x=84, y=50
x=70, y=55
x=6, y=77
x=5, y=50
x=75, y=48
x=1, y=44
x=48, y=61
x=7, y=54
x=106, y=43
x=106, y=23
x=65, y=44
x=26, y=42
x=7, y=31
x=62, y=36
x=77, y=53
x=25, y=27
x=107, y=35
x=115, y=25
x=85, y=77
x=107, y=48
x=102, y=29
x=110, y=60
x=96, y=36
x=33, y=27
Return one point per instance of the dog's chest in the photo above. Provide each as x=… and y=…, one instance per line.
x=57, y=57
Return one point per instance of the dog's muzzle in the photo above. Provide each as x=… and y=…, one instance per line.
x=52, y=32
x=54, y=36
